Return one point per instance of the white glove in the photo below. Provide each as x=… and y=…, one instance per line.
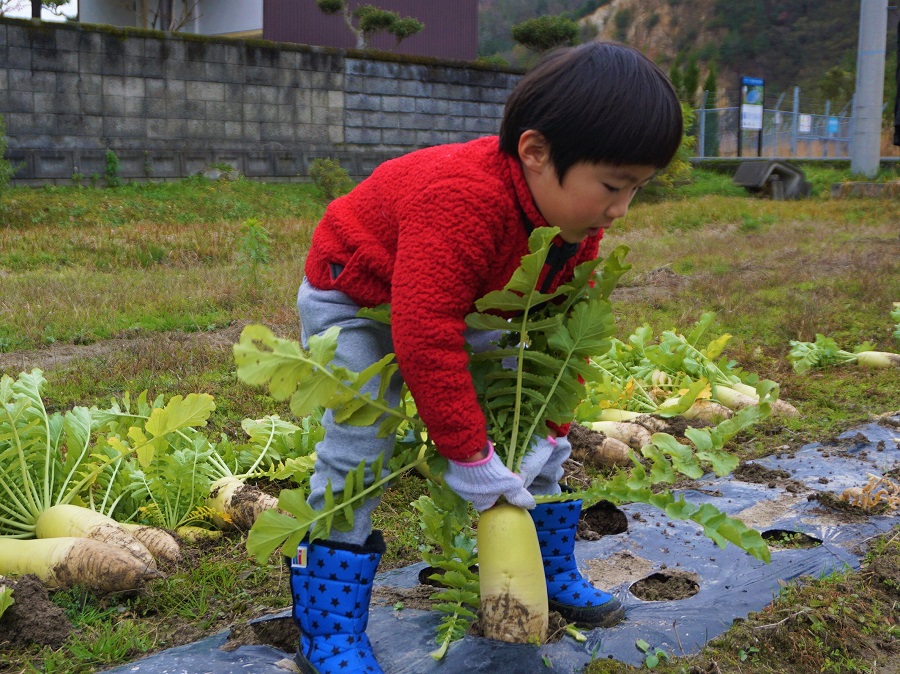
x=483, y=482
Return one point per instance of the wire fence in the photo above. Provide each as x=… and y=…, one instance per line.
x=787, y=131
x=784, y=134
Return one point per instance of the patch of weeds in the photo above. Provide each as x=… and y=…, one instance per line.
x=82, y=606
x=790, y=540
x=111, y=169
x=754, y=223
x=685, y=266
x=400, y=522
x=329, y=177
x=107, y=643
x=653, y=656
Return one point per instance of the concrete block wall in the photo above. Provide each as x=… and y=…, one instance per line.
x=169, y=106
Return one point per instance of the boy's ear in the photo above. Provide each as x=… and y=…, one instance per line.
x=534, y=150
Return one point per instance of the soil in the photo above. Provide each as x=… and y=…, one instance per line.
x=652, y=286
x=773, y=479
x=601, y=519
x=666, y=586
x=620, y=568
x=60, y=355
x=280, y=632
x=33, y=619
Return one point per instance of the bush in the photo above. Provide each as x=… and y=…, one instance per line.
x=331, y=180
x=545, y=33
x=6, y=168
x=111, y=172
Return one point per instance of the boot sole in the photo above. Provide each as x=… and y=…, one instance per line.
x=590, y=616
x=304, y=665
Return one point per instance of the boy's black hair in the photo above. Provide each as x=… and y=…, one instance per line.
x=598, y=102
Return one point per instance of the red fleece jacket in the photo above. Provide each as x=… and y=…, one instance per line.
x=430, y=233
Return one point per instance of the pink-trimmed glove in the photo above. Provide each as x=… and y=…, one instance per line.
x=536, y=458
x=546, y=480
x=483, y=482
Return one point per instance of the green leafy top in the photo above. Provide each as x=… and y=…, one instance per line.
x=551, y=338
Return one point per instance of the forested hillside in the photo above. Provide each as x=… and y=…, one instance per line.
x=806, y=43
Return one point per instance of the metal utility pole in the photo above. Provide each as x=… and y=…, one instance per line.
x=865, y=152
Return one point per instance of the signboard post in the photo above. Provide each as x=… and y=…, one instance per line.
x=752, y=90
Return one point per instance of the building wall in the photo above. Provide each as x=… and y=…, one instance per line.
x=450, y=32
x=220, y=17
x=212, y=17
x=169, y=106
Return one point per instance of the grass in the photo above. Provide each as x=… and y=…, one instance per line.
x=146, y=287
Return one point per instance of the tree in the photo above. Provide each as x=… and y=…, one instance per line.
x=837, y=85
x=546, y=32
x=677, y=81
x=370, y=19
x=161, y=15
x=711, y=121
x=691, y=80
x=6, y=168
x=37, y=5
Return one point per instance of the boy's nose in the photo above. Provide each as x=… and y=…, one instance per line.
x=619, y=207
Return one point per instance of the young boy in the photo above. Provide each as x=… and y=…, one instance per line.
x=430, y=233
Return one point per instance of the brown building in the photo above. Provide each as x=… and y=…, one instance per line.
x=451, y=26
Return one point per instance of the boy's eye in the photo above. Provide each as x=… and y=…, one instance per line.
x=611, y=188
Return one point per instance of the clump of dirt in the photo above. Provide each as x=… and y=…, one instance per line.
x=280, y=632
x=666, y=586
x=586, y=447
x=773, y=479
x=33, y=619
x=556, y=627
x=418, y=597
x=886, y=571
x=832, y=502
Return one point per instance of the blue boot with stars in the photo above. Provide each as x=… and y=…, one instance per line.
x=331, y=585
x=569, y=593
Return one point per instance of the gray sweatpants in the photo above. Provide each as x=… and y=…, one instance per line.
x=362, y=342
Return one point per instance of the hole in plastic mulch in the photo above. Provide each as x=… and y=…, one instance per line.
x=666, y=586
x=785, y=539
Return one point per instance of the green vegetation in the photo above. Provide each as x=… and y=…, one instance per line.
x=6, y=168
x=139, y=288
x=329, y=177
x=366, y=20
x=544, y=33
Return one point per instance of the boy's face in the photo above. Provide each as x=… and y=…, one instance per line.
x=590, y=197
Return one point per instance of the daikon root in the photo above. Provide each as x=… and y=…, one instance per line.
x=707, y=410
x=65, y=561
x=161, y=544
x=738, y=396
x=71, y=520
x=514, y=605
x=877, y=359
x=238, y=503
x=633, y=435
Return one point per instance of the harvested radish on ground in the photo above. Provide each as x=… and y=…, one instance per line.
x=161, y=544
x=70, y=520
x=633, y=435
x=737, y=395
x=240, y=503
x=67, y=561
x=825, y=352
